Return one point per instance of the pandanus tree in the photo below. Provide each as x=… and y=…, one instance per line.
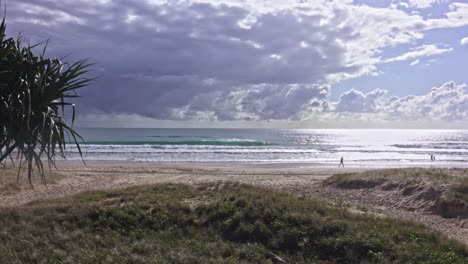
x=35, y=94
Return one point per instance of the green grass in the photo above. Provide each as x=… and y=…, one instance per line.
x=211, y=223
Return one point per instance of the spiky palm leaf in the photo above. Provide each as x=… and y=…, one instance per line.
x=33, y=101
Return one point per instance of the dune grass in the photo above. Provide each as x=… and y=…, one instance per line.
x=376, y=177
x=448, y=188
x=210, y=223
x=455, y=180
x=461, y=189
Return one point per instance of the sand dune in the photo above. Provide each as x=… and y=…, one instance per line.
x=301, y=179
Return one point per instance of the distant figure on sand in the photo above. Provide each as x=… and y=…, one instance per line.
x=341, y=162
x=432, y=157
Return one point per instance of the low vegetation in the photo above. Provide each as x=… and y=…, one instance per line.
x=436, y=176
x=211, y=223
x=446, y=189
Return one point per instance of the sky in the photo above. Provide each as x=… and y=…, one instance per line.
x=259, y=63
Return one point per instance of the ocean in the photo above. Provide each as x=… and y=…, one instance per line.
x=321, y=147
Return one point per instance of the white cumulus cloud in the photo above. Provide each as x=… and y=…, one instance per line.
x=464, y=41
x=448, y=102
x=422, y=51
x=357, y=102
x=422, y=4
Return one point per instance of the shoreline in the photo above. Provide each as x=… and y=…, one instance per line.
x=281, y=164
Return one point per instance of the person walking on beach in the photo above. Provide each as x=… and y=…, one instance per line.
x=341, y=162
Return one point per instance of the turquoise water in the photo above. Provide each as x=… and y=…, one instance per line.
x=384, y=148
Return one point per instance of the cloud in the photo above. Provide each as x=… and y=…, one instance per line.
x=422, y=51
x=445, y=104
x=456, y=17
x=415, y=62
x=256, y=102
x=448, y=102
x=464, y=41
x=422, y=4
x=222, y=60
x=402, y=5
x=357, y=102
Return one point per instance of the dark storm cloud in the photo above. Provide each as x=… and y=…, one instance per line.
x=223, y=60
x=160, y=59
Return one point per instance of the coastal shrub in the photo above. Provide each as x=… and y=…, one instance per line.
x=211, y=223
x=34, y=97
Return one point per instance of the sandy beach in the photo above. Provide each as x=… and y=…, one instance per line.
x=73, y=177
x=299, y=179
